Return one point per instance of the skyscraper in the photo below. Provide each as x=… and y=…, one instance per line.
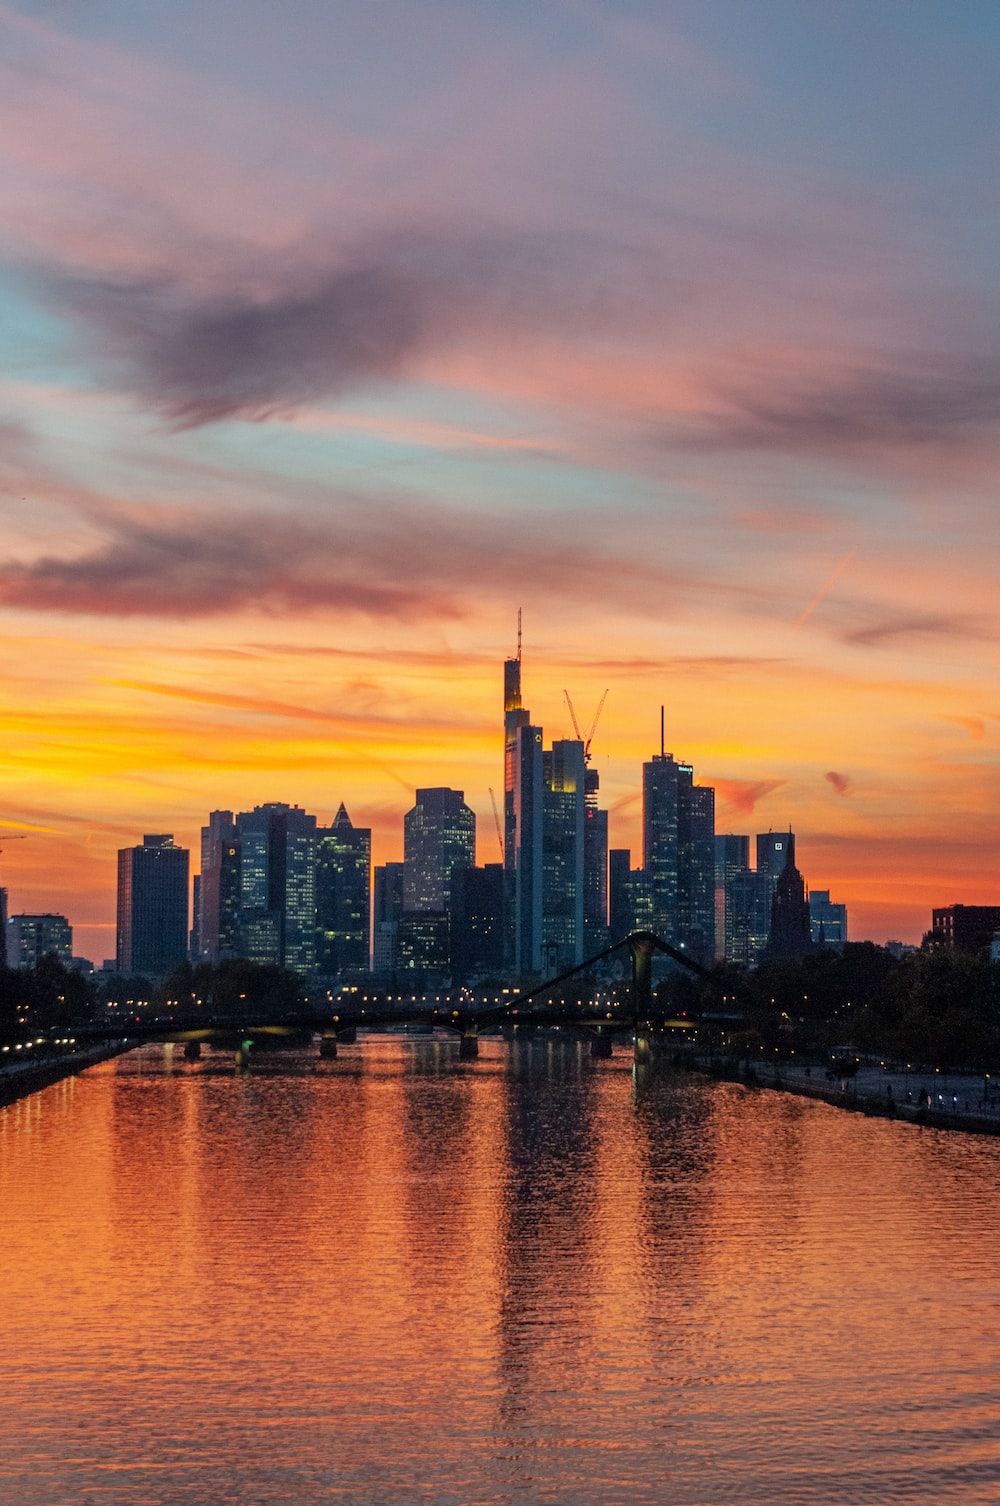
x=595, y=869
x=387, y=914
x=218, y=904
x=439, y=835
x=152, y=907
x=277, y=921
x=791, y=933
x=343, y=897
x=678, y=850
x=525, y=848
x=476, y=923
x=563, y=868
x=514, y=717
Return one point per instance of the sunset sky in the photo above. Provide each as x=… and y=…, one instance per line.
x=334, y=332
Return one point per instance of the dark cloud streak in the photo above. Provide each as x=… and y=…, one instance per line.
x=390, y=561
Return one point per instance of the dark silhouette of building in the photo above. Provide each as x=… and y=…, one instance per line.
x=827, y=919
x=387, y=912
x=965, y=928
x=476, y=923
x=152, y=907
x=791, y=933
x=343, y=897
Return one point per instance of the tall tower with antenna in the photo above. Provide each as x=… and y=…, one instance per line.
x=514, y=717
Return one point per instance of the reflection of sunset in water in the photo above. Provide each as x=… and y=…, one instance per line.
x=533, y=1277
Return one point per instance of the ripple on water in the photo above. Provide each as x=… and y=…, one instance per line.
x=530, y=1278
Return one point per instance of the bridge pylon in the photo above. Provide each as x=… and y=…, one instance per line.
x=642, y=945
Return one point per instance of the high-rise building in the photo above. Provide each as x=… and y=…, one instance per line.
x=514, y=718
x=152, y=907
x=678, y=849
x=439, y=835
x=732, y=864
x=595, y=869
x=387, y=912
x=772, y=852
x=629, y=904
x=827, y=920
x=277, y=915
x=343, y=897
x=526, y=848
x=218, y=907
x=476, y=923
x=555, y=844
x=32, y=937
x=791, y=933
x=563, y=867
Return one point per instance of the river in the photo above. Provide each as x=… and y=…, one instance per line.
x=529, y=1278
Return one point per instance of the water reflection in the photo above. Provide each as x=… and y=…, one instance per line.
x=531, y=1277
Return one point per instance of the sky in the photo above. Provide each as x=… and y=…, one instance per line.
x=334, y=333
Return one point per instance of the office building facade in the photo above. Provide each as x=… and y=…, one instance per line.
x=29, y=938
x=277, y=912
x=152, y=907
x=678, y=851
x=343, y=897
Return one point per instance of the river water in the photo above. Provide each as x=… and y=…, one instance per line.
x=398, y=1278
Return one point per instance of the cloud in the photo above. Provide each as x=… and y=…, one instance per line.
x=913, y=625
x=186, y=569
x=840, y=782
x=743, y=795
x=377, y=559
x=914, y=401
x=973, y=725
x=327, y=322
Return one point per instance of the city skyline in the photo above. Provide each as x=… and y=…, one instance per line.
x=486, y=836
x=329, y=341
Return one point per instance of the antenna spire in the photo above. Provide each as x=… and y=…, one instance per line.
x=663, y=746
x=519, y=635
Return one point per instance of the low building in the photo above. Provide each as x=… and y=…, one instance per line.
x=966, y=928
x=32, y=937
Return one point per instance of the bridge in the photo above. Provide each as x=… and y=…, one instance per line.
x=533, y=1009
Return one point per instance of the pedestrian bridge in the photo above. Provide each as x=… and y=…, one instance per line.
x=341, y=1019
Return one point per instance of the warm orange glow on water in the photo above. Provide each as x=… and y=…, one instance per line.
x=532, y=1276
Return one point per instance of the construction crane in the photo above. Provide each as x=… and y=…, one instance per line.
x=593, y=726
x=496, y=818
x=12, y=837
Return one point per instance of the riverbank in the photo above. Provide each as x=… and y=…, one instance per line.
x=20, y=1077
x=937, y=1100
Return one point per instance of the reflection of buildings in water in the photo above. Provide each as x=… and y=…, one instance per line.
x=609, y=1207
x=551, y=1237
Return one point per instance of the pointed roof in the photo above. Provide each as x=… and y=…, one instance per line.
x=342, y=819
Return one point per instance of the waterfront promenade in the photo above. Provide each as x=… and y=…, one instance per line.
x=30, y=1070
x=947, y=1100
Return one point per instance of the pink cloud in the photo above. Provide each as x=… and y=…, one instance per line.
x=743, y=795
